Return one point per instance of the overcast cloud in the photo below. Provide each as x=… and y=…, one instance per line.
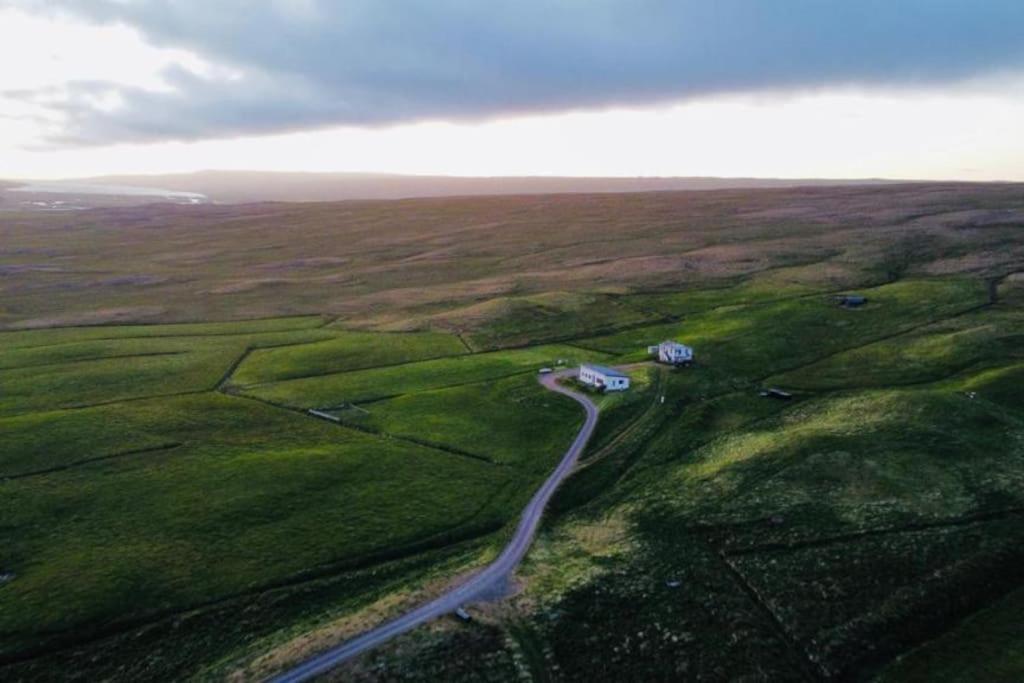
x=283, y=65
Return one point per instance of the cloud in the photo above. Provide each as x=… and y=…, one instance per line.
x=296, y=64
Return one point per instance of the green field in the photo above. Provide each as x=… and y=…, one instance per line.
x=508, y=421
x=366, y=385
x=443, y=445
x=77, y=370
x=552, y=316
x=776, y=285
x=987, y=646
x=133, y=488
x=851, y=513
x=959, y=345
x=747, y=340
x=234, y=510
x=343, y=352
x=170, y=511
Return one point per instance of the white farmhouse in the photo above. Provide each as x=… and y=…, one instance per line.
x=671, y=352
x=604, y=378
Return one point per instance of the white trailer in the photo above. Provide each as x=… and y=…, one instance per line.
x=600, y=377
x=672, y=353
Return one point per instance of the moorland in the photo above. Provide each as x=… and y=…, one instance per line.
x=170, y=509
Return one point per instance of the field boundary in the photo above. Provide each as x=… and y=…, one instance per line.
x=67, y=639
x=93, y=326
x=94, y=359
x=399, y=364
x=115, y=401
x=422, y=442
x=332, y=373
x=363, y=429
x=809, y=669
x=89, y=461
x=966, y=520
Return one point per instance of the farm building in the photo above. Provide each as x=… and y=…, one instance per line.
x=604, y=378
x=671, y=352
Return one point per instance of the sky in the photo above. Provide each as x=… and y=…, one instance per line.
x=929, y=89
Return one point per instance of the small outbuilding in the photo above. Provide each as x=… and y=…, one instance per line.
x=775, y=392
x=851, y=300
x=672, y=352
x=600, y=377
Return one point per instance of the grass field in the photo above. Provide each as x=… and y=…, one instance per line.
x=775, y=285
x=240, y=496
x=79, y=367
x=376, y=383
x=925, y=355
x=816, y=537
x=745, y=340
x=168, y=510
x=345, y=351
x=551, y=316
x=510, y=421
x=133, y=489
x=251, y=496
x=986, y=646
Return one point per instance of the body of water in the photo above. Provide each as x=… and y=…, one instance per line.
x=116, y=190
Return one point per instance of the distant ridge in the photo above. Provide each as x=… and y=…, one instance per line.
x=234, y=187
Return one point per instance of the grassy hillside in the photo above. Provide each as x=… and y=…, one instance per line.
x=453, y=261
x=988, y=645
x=170, y=510
x=229, y=509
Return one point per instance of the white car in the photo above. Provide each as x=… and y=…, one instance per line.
x=545, y=371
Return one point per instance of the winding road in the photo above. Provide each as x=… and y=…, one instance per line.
x=487, y=579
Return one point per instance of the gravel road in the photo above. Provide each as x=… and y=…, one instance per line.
x=488, y=579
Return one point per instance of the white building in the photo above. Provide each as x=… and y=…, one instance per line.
x=671, y=352
x=604, y=378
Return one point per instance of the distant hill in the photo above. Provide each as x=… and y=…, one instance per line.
x=235, y=187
